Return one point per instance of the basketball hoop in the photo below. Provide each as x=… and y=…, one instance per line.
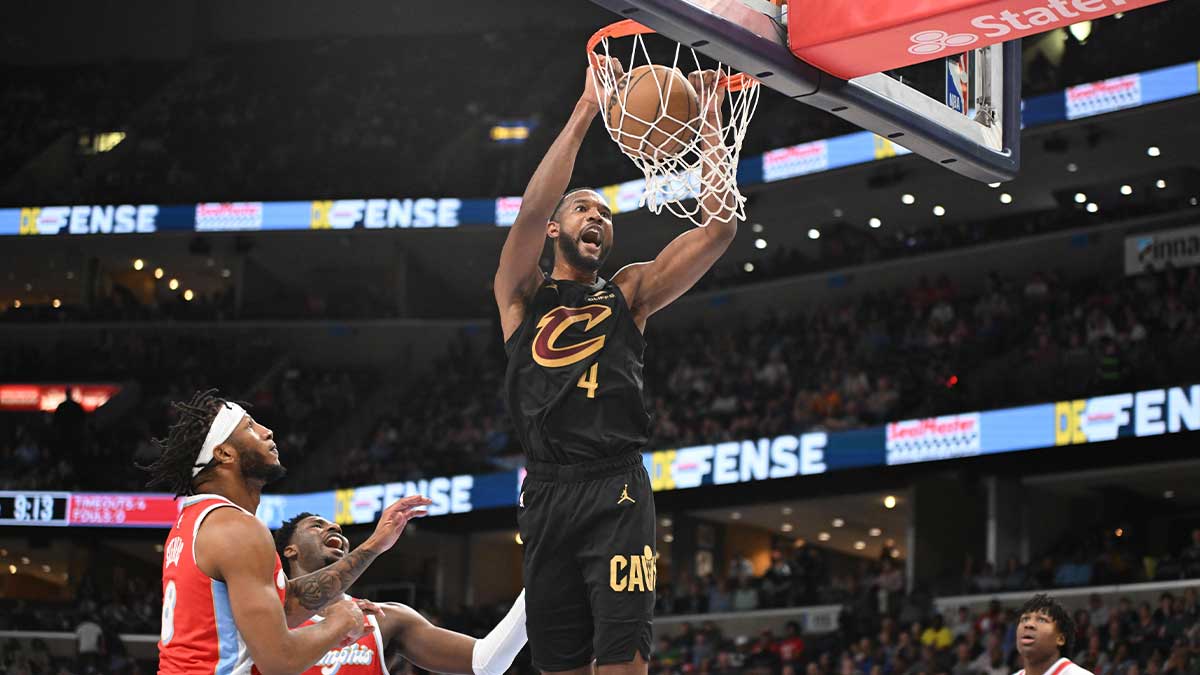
x=681, y=159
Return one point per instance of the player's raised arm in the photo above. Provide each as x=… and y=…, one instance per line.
x=444, y=651
x=518, y=276
x=307, y=594
x=650, y=286
x=236, y=548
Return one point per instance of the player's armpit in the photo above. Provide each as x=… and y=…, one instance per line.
x=650, y=286
x=427, y=646
x=237, y=549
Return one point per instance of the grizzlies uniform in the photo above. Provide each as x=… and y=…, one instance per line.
x=574, y=390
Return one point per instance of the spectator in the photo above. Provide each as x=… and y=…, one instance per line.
x=937, y=635
x=88, y=636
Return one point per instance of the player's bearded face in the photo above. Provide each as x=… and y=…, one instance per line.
x=585, y=243
x=260, y=463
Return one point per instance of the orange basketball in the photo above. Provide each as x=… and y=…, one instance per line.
x=653, y=112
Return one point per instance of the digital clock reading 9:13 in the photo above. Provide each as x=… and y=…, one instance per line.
x=33, y=508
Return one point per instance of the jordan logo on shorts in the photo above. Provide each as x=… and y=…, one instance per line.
x=625, y=496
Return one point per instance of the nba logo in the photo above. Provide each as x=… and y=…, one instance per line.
x=958, y=90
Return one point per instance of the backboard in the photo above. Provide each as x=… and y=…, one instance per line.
x=907, y=105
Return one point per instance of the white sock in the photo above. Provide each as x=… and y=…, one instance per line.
x=494, y=654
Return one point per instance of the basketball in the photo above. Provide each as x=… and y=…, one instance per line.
x=653, y=112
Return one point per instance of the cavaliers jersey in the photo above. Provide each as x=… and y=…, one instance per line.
x=574, y=380
x=1063, y=666
x=198, y=631
x=364, y=657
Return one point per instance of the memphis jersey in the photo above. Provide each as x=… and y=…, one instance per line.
x=364, y=657
x=1063, y=666
x=198, y=632
x=574, y=379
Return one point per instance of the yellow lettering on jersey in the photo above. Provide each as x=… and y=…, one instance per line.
x=635, y=574
x=616, y=578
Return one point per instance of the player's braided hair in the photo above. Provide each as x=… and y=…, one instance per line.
x=283, y=537
x=1063, y=623
x=173, y=467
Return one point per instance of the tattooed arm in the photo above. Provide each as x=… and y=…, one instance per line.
x=311, y=592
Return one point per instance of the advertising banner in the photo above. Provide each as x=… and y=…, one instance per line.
x=1154, y=251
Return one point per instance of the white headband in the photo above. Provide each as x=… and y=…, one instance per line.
x=228, y=418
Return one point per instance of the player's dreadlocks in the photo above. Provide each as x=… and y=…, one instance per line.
x=283, y=537
x=173, y=468
x=1063, y=623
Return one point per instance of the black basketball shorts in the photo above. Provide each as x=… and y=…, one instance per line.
x=589, y=561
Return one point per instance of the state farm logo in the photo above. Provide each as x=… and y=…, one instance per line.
x=929, y=42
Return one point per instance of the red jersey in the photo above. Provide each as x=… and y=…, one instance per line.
x=364, y=657
x=198, y=631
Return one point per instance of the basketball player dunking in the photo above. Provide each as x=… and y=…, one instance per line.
x=1045, y=632
x=226, y=601
x=307, y=543
x=574, y=390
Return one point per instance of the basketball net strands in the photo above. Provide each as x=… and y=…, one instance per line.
x=683, y=157
x=840, y=56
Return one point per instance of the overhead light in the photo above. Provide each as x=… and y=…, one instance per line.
x=895, y=553
x=517, y=538
x=838, y=522
x=736, y=515
x=12, y=569
x=757, y=227
x=24, y=560
x=875, y=223
x=1161, y=184
x=1092, y=207
x=1126, y=190
x=1005, y=198
x=749, y=267
x=56, y=303
x=1081, y=31
x=993, y=185
x=138, y=264
x=668, y=538
x=1119, y=532
x=875, y=532
x=158, y=272
x=665, y=522
x=908, y=199
x=787, y=510
x=1072, y=167
x=760, y=243
x=799, y=542
x=1168, y=494
x=46, y=569
x=1153, y=151
x=814, y=233
x=70, y=275
x=889, y=502
x=787, y=527
x=838, y=213
x=1119, y=15
x=1080, y=198
x=225, y=273
x=158, y=548
x=3, y=553
x=939, y=211
x=823, y=536
x=889, y=542
x=210, y=262
x=173, y=284
x=188, y=295
x=860, y=545
x=16, y=304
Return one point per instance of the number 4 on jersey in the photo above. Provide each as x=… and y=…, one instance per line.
x=588, y=381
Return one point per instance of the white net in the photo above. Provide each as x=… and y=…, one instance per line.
x=688, y=141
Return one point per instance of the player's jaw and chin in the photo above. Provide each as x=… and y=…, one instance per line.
x=258, y=458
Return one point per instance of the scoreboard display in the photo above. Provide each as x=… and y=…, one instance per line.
x=33, y=507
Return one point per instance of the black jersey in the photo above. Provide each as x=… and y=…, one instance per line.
x=574, y=380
